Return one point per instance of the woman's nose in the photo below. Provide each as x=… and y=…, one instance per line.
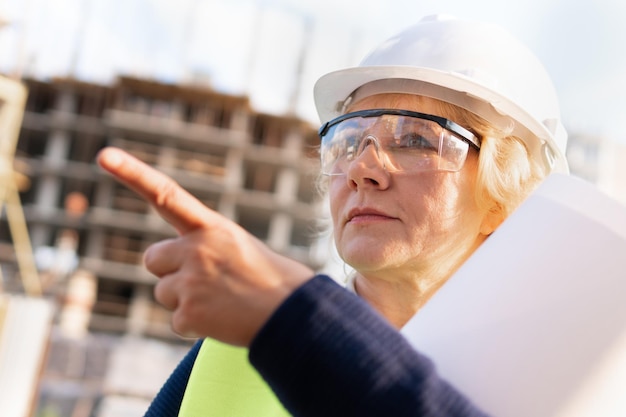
x=370, y=148
x=369, y=142
x=368, y=164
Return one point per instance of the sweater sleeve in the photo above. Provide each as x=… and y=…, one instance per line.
x=326, y=352
x=167, y=402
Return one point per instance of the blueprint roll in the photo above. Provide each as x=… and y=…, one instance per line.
x=534, y=323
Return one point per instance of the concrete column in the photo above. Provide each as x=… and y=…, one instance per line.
x=104, y=193
x=233, y=169
x=287, y=186
x=281, y=223
x=80, y=296
x=57, y=151
x=279, y=234
x=139, y=312
x=240, y=121
x=177, y=111
x=233, y=166
x=66, y=101
x=95, y=244
x=227, y=207
x=292, y=144
x=47, y=197
x=103, y=199
x=167, y=157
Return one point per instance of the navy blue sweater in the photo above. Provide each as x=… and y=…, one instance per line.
x=325, y=353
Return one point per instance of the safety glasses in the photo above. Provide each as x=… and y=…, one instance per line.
x=402, y=140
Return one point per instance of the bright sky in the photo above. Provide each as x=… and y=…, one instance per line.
x=254, y=47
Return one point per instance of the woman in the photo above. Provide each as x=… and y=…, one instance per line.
x=406, y=228
x=422, y=159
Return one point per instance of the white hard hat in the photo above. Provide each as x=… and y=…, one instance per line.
x=474, y=65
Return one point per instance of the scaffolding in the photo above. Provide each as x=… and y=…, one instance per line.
x=12, y=101
x=25, y=319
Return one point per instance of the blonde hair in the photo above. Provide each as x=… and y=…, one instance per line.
x=506, y=172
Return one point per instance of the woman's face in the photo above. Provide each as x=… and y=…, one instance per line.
x=398, y=223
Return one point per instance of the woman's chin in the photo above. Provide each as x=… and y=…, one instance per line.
x=364, y=259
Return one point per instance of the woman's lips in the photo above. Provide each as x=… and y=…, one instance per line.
x=363, y=215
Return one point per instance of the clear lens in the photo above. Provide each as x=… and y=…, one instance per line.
x=401, y=142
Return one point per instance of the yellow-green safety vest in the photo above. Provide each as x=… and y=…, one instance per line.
x=223, y=383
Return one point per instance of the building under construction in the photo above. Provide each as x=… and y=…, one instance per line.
x=88, y=233
x=111, y=346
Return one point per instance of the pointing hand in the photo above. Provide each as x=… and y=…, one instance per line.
x=218, y=279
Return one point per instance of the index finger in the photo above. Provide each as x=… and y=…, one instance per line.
x=177, y=206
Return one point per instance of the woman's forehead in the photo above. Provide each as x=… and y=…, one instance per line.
x=416, y=103
x=396, y=101
x=390, y=123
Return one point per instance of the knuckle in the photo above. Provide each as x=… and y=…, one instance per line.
x=159, y=293
x=183, y=324
x=164, y=296
x=179, y=322
x=150, y=257
x=167, y=194
x=206, y=260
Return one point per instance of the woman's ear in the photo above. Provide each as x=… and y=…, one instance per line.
x=492, y=219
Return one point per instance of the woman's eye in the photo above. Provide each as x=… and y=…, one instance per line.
x=416, y=141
